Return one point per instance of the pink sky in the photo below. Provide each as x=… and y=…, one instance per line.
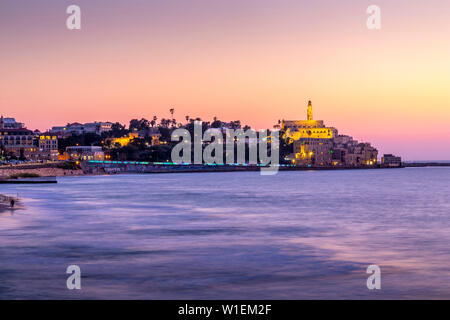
x=253, y=60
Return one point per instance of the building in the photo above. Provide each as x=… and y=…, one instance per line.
x=97, y=127
x=20, y=142
x=315, y=144
x=390, y=160
x=363, y=154
x=349, y=152
x=17, y=142
x=10, y=123
x=152, y=133
x=78, y=129
x=84, y=153
x=122, y=141
x=47, y=144
x=312, y=140
x=60, y=132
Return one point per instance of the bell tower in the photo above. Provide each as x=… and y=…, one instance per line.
x=2, y=123
x=310, y=113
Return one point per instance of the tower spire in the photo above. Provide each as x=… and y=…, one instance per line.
x=310, y=113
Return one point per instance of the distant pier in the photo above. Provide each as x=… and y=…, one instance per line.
x=426, y=164
x=39, y=180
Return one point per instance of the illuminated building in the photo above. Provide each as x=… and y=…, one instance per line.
x=152, y=133
x=312, y=140
x=47, y=142
x=363, y=154
x=21, y=142
x=298, y=129
x=85, y=153
x=123, y=141
x=18, y=142
x=48, y=146
x=318, y=145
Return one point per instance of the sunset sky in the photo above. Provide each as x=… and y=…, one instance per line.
x=253, y=60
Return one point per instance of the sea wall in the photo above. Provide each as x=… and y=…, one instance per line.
x=43, y=171
x=113, y=167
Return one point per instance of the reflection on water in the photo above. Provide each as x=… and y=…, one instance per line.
x=231, y=235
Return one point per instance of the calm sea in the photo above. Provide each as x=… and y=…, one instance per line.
x=230, y=235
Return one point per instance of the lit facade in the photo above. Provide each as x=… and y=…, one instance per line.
x=48, y=146
x=48, y=142
x=318, y=145
x=18, y=142
x=85, y=153
x=122, y=141
x=312, y=140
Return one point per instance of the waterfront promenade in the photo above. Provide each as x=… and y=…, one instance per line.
x=115, y=167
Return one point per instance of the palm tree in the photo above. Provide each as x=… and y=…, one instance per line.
x=165, y=122
x=172, y=110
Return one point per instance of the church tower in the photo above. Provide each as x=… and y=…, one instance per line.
x=310, y=113
x=2, y=123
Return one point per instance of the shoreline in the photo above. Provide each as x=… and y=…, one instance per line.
x=5, y=203
x=89, y=169
x=131, y=167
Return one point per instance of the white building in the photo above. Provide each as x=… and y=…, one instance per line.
x=78, y=128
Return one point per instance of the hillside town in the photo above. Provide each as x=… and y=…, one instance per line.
x=303, y=143
x=318, y=145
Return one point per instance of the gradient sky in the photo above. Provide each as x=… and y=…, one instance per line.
x=253, y=60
